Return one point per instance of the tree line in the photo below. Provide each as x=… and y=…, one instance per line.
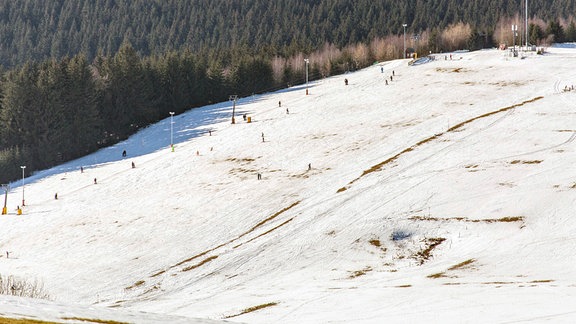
x=41, y=30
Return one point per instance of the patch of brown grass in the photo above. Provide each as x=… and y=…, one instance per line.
x=230, y=241
x=90, y=320
x=136, y=284
x=437, y=275
x=526, y=162
x=6, y=320
x=200, y=264
x=452, y=268
x=240, y=160
x=455, y=128
x=510, y=219
x=253, y=309
x=375, y=242
x=462, y=264
x=268, y=231
x=425, y=254
x=358, y=273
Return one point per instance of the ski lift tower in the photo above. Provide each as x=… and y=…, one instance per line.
x=6, y=189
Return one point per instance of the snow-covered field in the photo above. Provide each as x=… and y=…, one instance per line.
x=445, y=196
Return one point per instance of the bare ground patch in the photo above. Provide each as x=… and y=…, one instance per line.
x=91, y=320
x=452, y=70
x=526, y=162
x=510, y=219
x=358, y=273
x=426, y=253
x=252, y=309
x=456, y=128
x=258, y=225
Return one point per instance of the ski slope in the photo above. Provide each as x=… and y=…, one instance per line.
x=445, y=196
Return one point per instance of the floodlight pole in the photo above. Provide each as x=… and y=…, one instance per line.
x=404, y=52
x=23, y=167
x=233, y=98
x=172, y=131
x=6, y=189
x=307, y=62
x=416, y=38
x=514, y=30
x=526, y=25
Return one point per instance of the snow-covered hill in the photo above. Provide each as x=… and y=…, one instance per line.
x=446, y=195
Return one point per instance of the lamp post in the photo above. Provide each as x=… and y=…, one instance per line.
x=172, y=131
x=307, y=62
x=514, y=30
x=404, y=52
x=526, y=25
x=23, y=167
x=6, y=189
x=233, y=98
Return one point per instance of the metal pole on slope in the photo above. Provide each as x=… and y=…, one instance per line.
x=6, y=189
x=526, y=25
x=514, y=30
x=233, y=98
x=307, y=62
x=404, y=52
x=23, y=167
x=172, y=131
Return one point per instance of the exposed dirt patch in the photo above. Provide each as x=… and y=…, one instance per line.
x=89, y=320
x=252, y=309
x=526, y=162
x=455, y=128
x=462, y=265
x=426, y=253
x=375, y=242
x=508, y=83
x=243, y=160
x=136, y=284
x=358, y=273
x=452, y=70
x=232, y=240
x=510, y=219
x=203, y=262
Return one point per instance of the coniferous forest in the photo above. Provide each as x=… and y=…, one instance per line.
x=79, y=75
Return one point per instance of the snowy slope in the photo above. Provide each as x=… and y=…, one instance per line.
x=445, y=196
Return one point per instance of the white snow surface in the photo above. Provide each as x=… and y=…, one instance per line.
x=446, y=196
